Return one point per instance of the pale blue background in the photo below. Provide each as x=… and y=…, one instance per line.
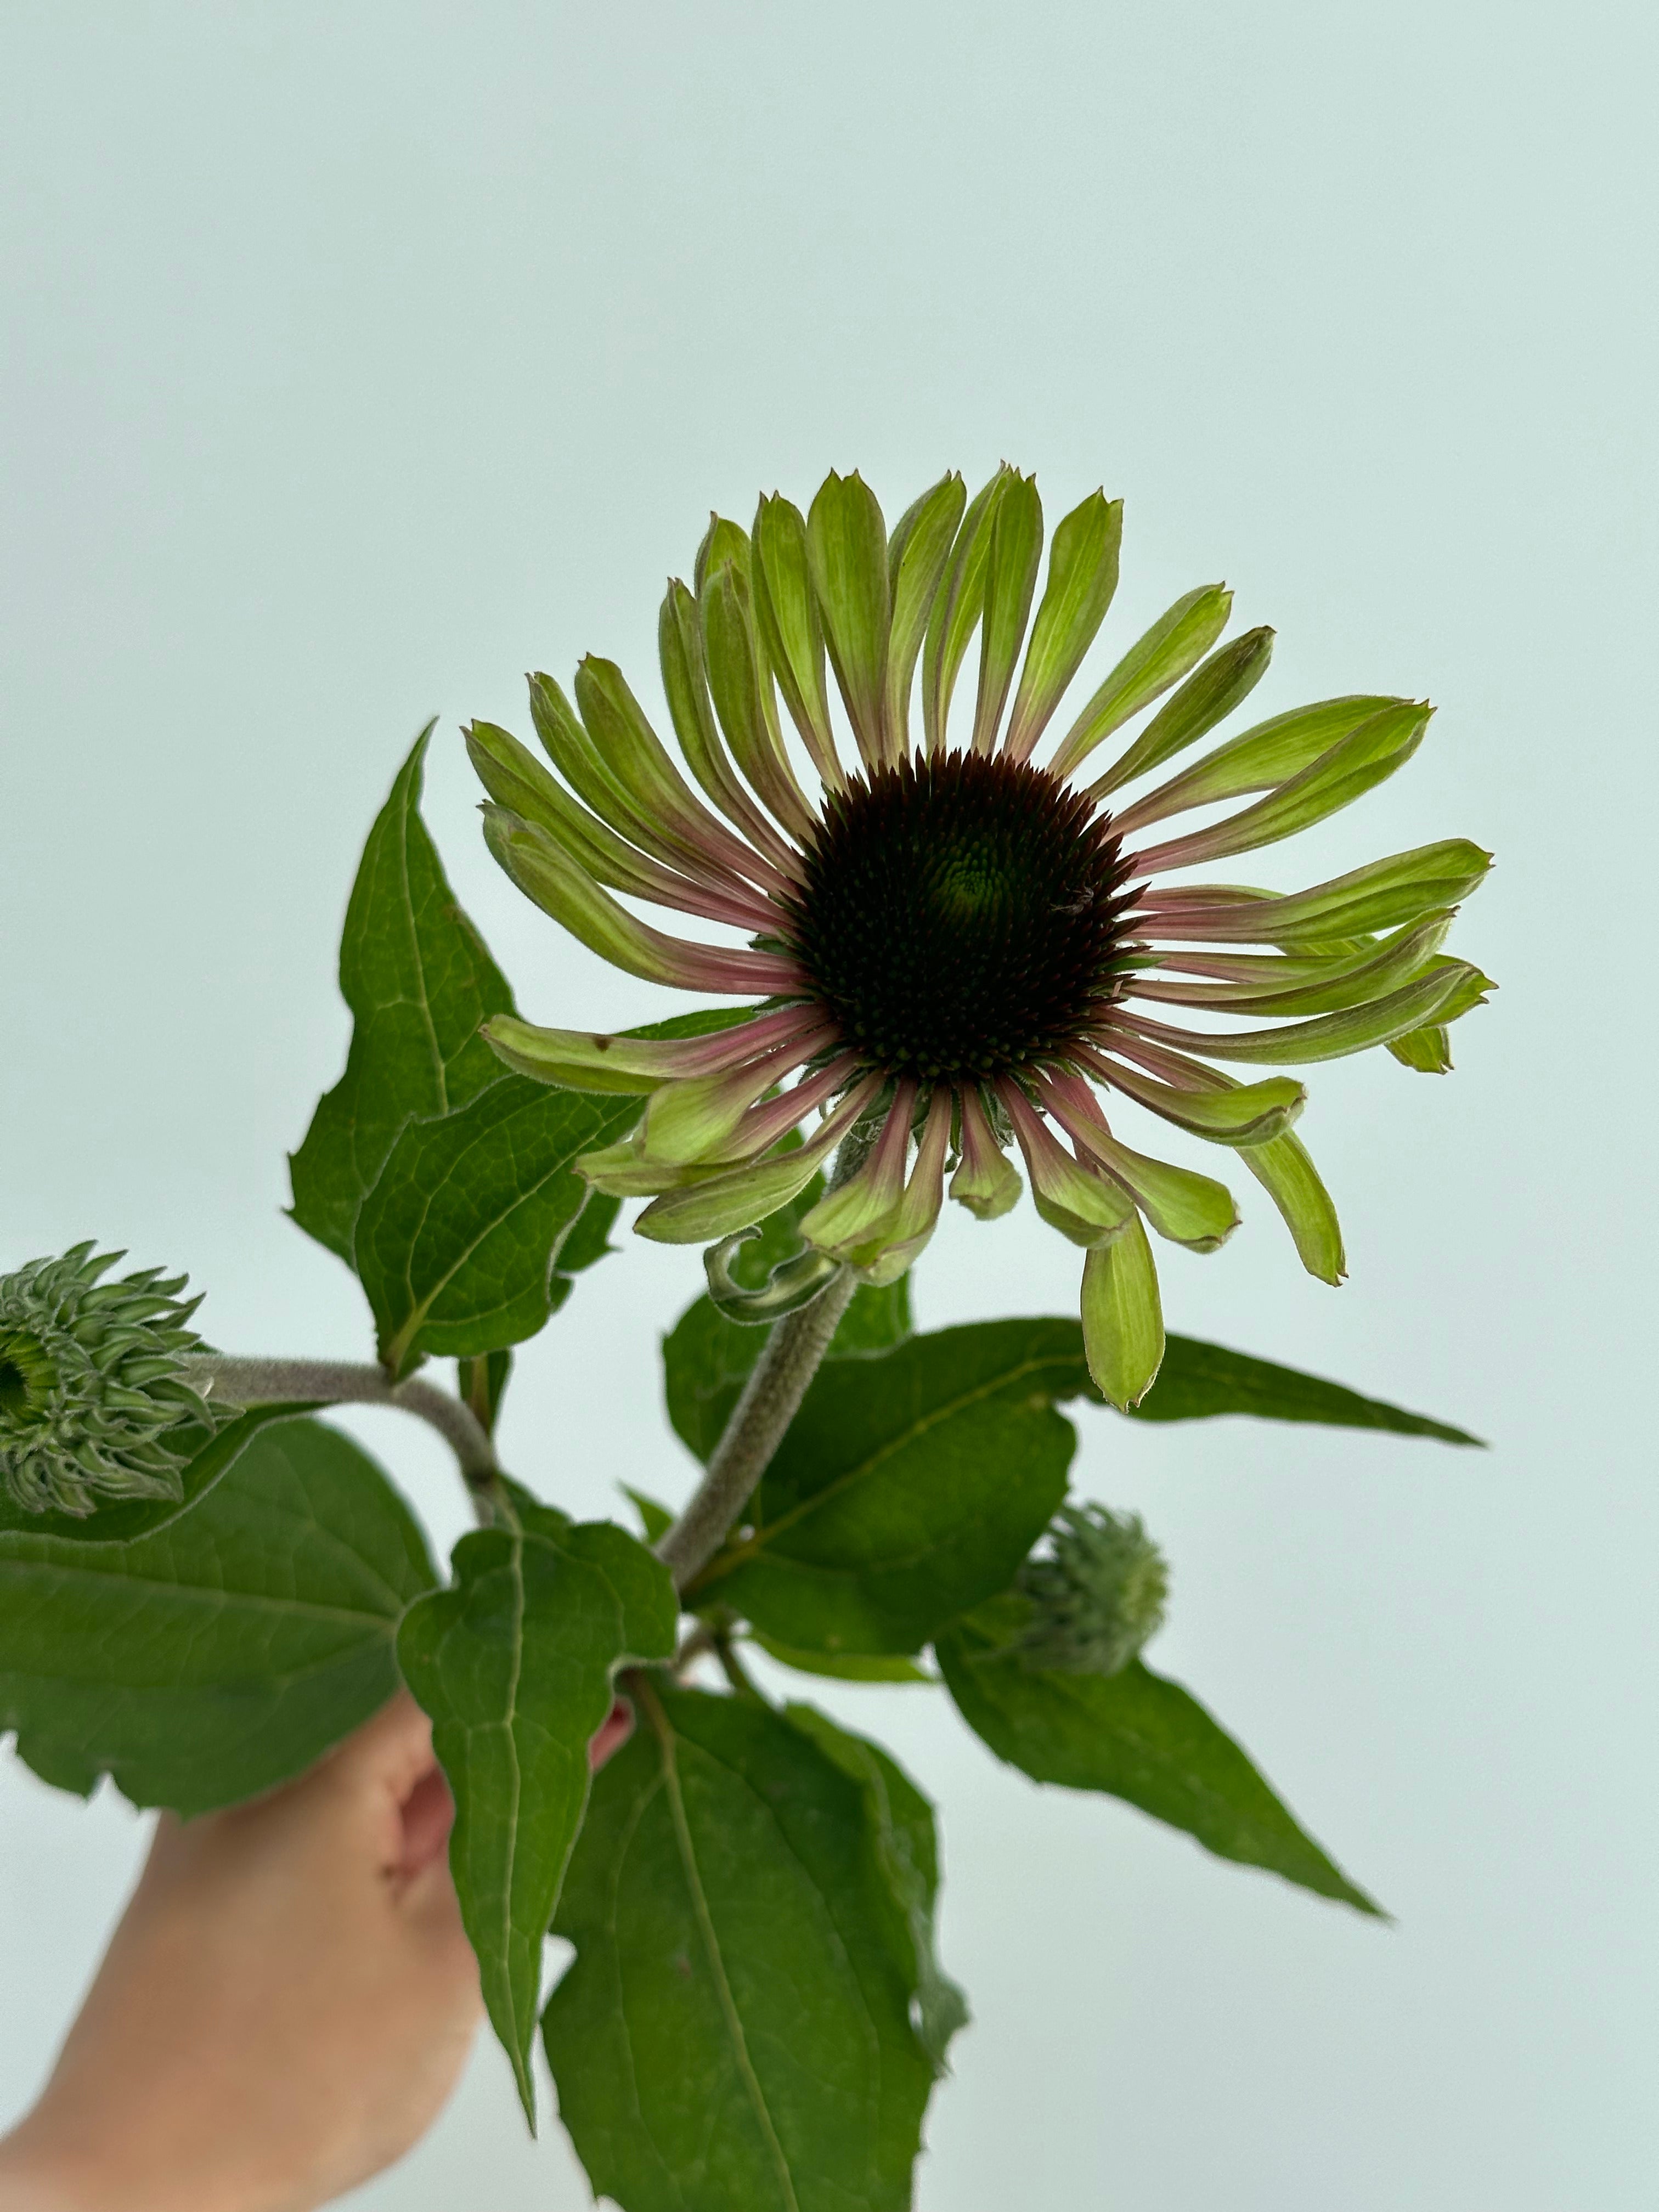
x=359, y=356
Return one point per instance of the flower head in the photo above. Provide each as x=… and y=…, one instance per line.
x=1097, y=1594
x=957, y=951
x=92, y=1388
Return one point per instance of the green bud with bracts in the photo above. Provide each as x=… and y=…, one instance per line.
x=95, y=1399
x=1098, y=1593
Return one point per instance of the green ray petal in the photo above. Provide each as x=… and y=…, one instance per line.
x=1176, y=641
x=1122, y=1316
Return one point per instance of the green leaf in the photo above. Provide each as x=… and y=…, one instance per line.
x=1199, y=1381
x=122, y=1521
x=1133, y=1735
x=208, y=1662
x=514, y=1664
x=736, y=2029
x=904, y=1849
x=419, y=981
x=909, y=1487
x=849, y=1667
x=655, y=1519
x=455, y=1242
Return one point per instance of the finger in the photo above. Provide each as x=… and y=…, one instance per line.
x=429, y=1814
x=392, y=1749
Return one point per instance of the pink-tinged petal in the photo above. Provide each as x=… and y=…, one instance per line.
x=723, y=1203
x=1123, y=1317
x=1351, y=767
x=584, y=1059
x=516, y=779
x=986, y=1181
x=642, y=764
x=570, y=746
x=685, y=682
x=1179, y=1092
x=745, y=698
x=1450, y=989
x=547, y=874
x=1083, y=1204
x=1189, y=1209
x=846, y=1220
x=911, y=1227
x=762, y=1125
x=695, y=1119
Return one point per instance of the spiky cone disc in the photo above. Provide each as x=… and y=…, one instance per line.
x=1098, y=1593
x=948, y=934
x=92, y=1390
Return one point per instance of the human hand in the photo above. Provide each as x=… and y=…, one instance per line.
x=283, y=2010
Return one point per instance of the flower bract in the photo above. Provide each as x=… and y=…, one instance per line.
x=959, y=952
x=93, y=1389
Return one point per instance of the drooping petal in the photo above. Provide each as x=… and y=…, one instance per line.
x=702, y=1212
x=686, y=686
x=1084, y=1205
x=787, y=614
x=1209, y=696
x=957, y=608
x=1176, y=641
x=1011, y=577
x=1258, y=759
x=846, y=547
x=1349, y=768
x=744, y=700
x=1291, y=1180
x=916, y=555
x=1187, y=1208
x=1251, y=1115
x=762, y=1125
x=986, y=1181
x=1427, y=1050
x=912, y=1225
x=694, y=1119
x=1383, y=895
x=547, y=875
x=1450, y=989
x=848, y=1220
x=1122, y=1317
x=586, y=1060
x=1311, y=987
x=1083, y=566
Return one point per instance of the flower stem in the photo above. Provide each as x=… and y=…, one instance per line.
x=777, y=1383
x=347, y=1382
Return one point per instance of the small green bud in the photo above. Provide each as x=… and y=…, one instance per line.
x=93, y=1383
x=1097, y=1594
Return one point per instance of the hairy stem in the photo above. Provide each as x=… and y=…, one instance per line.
x=347, y=1382
x=776, y=1385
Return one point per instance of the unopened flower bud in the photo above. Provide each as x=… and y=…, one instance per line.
x=1097, y=1594
x=94, y=1392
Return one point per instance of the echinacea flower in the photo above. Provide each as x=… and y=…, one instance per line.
x=94, y=1389
x=957, y=951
